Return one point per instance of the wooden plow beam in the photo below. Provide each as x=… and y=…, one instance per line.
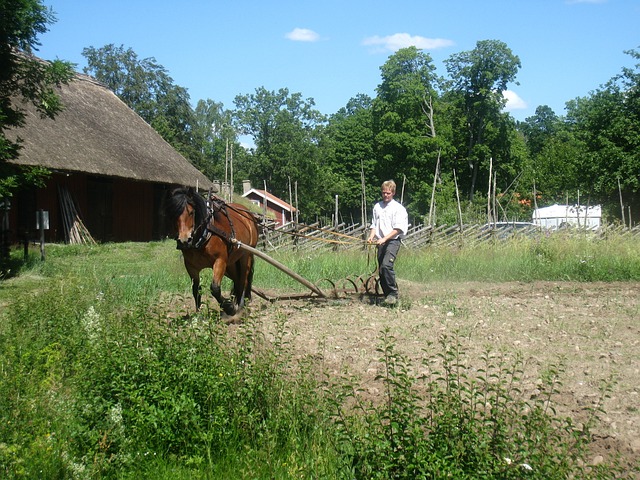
x=363, y=284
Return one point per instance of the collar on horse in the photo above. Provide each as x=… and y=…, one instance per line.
x=208, y=227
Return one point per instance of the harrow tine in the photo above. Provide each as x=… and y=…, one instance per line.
x=333, y=286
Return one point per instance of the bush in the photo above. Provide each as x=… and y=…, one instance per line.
x=458, y=423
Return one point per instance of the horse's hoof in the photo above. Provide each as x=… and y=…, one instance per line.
x=229, y=309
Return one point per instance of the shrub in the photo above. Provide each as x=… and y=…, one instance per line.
x=456, y=423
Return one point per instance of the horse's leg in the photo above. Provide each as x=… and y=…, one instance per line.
x=194, y=273
x=219, y=268
x=238, y=283
x=195, y=289
x=241, y=273
x=248, y=277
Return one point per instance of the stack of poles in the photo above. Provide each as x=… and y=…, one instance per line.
x=75, y=230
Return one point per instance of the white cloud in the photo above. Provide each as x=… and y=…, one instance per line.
x=514, y=102
x=302, y=35
x=397, y=41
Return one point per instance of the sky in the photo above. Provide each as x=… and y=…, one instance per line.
x=332, y=50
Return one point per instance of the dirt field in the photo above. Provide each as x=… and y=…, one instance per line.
x=594, y=327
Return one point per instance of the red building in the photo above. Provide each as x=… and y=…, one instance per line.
x=282, y=212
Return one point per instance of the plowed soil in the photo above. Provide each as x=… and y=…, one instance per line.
x=592, y=328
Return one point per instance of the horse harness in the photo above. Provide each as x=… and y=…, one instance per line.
x=209, y=228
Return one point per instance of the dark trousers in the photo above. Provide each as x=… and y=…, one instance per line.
x=387, y=254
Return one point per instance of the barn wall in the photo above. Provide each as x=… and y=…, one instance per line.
x=113, y=210
x=133, y=208
x=25, y=204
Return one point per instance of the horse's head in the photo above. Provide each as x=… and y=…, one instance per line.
x=188, y=211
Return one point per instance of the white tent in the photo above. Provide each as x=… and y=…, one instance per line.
x=557, y=216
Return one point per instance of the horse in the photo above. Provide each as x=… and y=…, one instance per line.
x=208, y=234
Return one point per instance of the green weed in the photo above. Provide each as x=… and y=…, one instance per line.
x=458, y=422
x=102, y=376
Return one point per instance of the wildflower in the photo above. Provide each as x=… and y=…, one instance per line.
x=92, y=323
x=115, y=414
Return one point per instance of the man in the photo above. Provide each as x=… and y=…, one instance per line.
x=390, y=221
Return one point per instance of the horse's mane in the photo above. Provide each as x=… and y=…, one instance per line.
x=179, y=199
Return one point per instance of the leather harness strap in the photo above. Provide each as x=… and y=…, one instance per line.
x=217, y=205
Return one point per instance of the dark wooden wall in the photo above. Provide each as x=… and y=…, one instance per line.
x=112, y=209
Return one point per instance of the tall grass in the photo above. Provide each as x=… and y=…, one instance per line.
x=102, y=376
x=557, y=257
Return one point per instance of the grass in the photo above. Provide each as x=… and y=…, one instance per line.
x=101, y=377
x=557, y=257
x=551, y=258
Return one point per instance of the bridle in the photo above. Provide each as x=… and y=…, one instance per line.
x=202, y=233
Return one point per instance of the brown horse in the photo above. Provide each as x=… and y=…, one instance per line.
x=207, y=235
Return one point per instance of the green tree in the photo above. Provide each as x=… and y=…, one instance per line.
x=479, y=77
x=216, y=134
x=349, y=147
x=557, y=168
x=406, y=120
x=24, y=77
x=146, y=87
x=606, y=123
x=539, y=128
x=286, y=130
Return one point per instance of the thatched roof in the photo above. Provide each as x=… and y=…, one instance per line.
x=97, y=133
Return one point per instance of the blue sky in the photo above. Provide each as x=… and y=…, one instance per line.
x=332, y=50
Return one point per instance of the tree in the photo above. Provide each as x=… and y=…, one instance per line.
x=349, y=147
x=286, y=130
x=607, y=124
x=539, y=128
x=479, y=78
x=403, y=115
x=25, y=78
x=146, y=87
x=557, y=168
x=215, y=132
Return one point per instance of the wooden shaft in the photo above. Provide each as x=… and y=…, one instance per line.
x=280, y=266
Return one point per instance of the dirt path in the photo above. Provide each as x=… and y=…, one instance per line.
x=594, y=327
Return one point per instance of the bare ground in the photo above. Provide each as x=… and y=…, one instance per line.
x=593, y=327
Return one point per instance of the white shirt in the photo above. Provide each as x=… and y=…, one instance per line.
x=387, y=216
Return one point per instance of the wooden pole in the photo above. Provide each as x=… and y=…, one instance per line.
x=363, y=198
x=264, y=203
x=489, y=219
x=621, y=203
x=361, y=194
x=433, y=189
x=226, y=167
x=279, y=266
x=41, y=229
x=231, y=174
x=455, y=180
x=296, y=193
x=495, y=199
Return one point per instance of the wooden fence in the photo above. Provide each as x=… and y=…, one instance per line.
x=350, y=237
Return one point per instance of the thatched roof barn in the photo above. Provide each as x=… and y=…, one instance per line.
x=113, y=165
